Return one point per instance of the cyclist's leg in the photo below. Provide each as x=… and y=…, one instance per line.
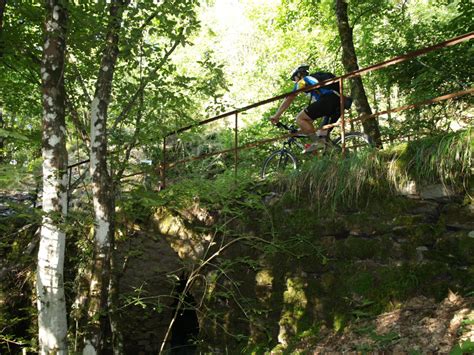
x=323, y=132
x=325, y=107
x=314, y=111
x=330, y=119
x=305, y=123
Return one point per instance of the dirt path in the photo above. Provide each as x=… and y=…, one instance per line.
x=421, y=326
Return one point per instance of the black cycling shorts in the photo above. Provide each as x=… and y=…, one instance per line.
x=327, y=106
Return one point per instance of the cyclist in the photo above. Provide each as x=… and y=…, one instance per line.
x=324, y=103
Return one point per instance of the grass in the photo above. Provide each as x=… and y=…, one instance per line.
x=445, y=159
x=330, y=182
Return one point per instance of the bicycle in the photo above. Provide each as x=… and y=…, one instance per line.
x=284, y=159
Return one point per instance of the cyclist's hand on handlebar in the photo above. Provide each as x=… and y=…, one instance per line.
x=274, y=120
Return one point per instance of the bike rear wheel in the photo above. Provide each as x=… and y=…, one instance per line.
x=355, y=141
x=278, y=162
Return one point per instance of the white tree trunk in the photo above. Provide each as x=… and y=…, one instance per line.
x=52, y=323
x=102, y=187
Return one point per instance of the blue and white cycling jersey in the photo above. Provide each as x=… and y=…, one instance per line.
x=314, y=94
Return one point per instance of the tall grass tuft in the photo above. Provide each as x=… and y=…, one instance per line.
x=445, y=159
x=332, y=182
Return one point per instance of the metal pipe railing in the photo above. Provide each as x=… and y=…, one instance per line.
x=341, y=109
x=387, y=63
x=236, y=143
x=328, y=126
x=164, y=165
x=340, y=80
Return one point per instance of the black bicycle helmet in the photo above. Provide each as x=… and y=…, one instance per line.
x=302, y=69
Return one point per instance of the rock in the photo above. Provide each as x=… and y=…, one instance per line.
x=458, y=217
x=400, y=230
x=148, y=262
x=271, y=199
x=429, y=209
x=9, y=201
x=409, y=190
x=458, y=226
x=437, y=192
x=419, y=253
x=186, y=241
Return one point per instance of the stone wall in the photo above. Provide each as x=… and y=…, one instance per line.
x=299, y=270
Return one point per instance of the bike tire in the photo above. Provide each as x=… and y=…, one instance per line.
x=278, y=162
x=355, y=141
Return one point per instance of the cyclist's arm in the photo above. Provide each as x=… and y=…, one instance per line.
x=284, y=105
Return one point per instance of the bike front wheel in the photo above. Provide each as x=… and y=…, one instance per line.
x=278, y=162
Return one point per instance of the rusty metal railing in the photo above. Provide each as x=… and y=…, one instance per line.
x=164, y=165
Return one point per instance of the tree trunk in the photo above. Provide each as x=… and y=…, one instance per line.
x=102, y=186
x=3, y=4
x=52, y=324
x=2, y=144
x=391, y=128
x=349, y=60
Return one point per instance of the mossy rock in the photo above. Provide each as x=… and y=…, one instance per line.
x=362, y=282
x=423, y=235
x=328, y=281
x=357, y=248
x=290, y=226
x=408, y=251
x=456, y=214
x=408, y=220
x=385, y=249
x=365, y=224
x=455, y=247
x=387, y=208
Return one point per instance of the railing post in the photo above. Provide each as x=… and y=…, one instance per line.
x=343, y=123
x=68, y=191
x=163, y=166
x=236, y=142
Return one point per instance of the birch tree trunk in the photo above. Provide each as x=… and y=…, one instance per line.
x=102, y=186
x=349, y=60
x=2, y=124
x=52, y=324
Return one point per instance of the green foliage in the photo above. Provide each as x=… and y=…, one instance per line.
x=17, y=246
x=331, y=182
x=16, y=178
x=464, y=347
x=214, y=70
x=443, y=158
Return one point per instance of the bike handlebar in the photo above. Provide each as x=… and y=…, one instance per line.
x=291, y=129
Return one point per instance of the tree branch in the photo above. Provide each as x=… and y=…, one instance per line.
x=3, y=4
x=83, y=85
x=143, y=85
x=131, y=144
x=370, y=10
x=27, y=76
x=80, y=126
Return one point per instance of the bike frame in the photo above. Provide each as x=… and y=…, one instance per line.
x=290, y=142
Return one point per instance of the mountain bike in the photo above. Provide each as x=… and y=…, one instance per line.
x=284, y=159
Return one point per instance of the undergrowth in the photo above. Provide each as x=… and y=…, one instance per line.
x=330, y=182
x=326, y=183
x=445, y=159
x=271, y=257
